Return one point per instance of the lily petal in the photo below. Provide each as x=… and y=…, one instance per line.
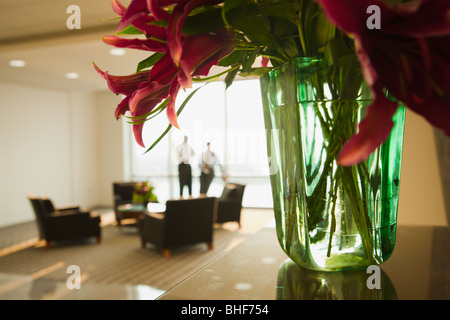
x=349, y=15
x=174, y=34
x=143, y=101
x=140, y=44
x=135, y=10
x=122, y=108
x=170, y=110
x=201, y=52
x=123, y=84
x=118, y=7
x=408, y=57
x=176, y=21
x=429, y=18
x=157, y=10
x=373, y=131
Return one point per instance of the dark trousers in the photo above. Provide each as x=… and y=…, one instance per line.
x=185, y=177
x=205, y=181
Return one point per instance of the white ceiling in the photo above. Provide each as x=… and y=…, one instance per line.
x=36, y=31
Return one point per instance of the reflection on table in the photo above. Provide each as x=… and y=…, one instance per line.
x=297, y=283
x=258, y=269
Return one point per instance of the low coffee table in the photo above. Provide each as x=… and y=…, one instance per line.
x=136, y=210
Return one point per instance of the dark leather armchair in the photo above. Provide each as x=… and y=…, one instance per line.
x=123, y=194
x=57, y=224
x=230, y=203
x=185, y=222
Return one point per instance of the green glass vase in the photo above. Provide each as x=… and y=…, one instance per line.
x=328, y=217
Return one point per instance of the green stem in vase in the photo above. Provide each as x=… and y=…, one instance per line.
x=333, y=219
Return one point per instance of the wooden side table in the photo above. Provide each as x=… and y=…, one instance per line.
x=130, y=211
x=136, y=210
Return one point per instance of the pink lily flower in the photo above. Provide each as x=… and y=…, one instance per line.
x=186, y=56
x=125, y=85
x=408, y=56
x=200, y=53
x=138, y=16
x=176, y=20
x=136, y=10
x=145, y=90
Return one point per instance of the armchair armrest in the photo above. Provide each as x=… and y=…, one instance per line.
x=67, y=221
x=69, y=215
x=68, y=208
x=156, y=215
x=226, y=205
x=67, y=212
x=152, y=228
x=229, y=210
x=117, y=198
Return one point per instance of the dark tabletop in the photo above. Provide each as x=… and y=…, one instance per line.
x=258, y=269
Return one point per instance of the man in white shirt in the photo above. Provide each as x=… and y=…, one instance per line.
x=208, y=162
x=185, y=153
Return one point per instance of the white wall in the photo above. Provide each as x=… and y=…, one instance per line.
x=421, y=193
x=65, y=145
x=35, y=148
x=83, y=158
x=109, y=146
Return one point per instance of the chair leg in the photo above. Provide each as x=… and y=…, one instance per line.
x=166, y=253
x=99, y=240
x=48, y=245
x=210, y=246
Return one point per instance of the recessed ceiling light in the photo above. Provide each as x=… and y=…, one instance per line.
x=72, y=75
x=117, y=52
x=17, y=63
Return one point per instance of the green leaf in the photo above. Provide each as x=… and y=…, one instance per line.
x=230, y=5
x=282, y=9
x=153, y=113
x=291, y=47
x=214, y=77
x=335, y=49
x=178, y=113
x=203, y=22
x=230, y=78
x=248, y=63
x=325, y=31
x=212, y=19
x=149, y=62
x=129, y=30
x=255, y=72
x=233, y=58
x=254, y=29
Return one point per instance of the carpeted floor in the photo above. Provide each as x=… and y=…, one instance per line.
x=119, y=259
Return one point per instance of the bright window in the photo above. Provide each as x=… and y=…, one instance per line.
x=232, y=120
